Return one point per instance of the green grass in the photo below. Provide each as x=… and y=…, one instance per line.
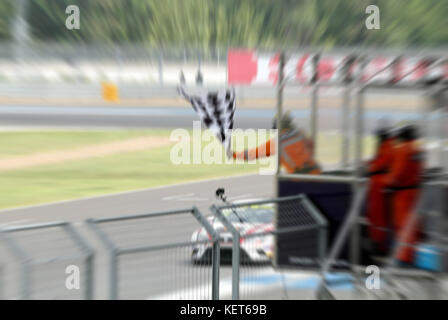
x=115, y=173
x=328, y=149
x=96, y=176
x=110, y=174
x=16, y=143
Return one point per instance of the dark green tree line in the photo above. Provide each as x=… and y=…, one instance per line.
x=237, y=23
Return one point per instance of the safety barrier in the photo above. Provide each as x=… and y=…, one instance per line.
x=421, y=279
x=426, y=276
x=323, y=289
x=256, y=234
x=40, y=259
x=182, y=254
x=164, y=262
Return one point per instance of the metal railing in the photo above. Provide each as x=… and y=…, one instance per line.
x=428, y=219
x=254, y=244
x=398, y=281
x=40, y=255
x=180, y=254
x=160, y=263
x=342, y=237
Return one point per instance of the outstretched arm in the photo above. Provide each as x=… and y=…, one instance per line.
x=264, y=150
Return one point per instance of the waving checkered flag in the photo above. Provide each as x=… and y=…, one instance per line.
x=216, y=110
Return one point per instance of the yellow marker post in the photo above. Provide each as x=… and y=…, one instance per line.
x=110, y=92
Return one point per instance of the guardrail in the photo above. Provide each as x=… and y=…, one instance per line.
x=42, y=253
x=148, y=263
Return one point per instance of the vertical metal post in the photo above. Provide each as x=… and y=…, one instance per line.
x=444, y=133
x=89, y=277
x=345, y=127
x=216, y=253
x=359, y=148
x=235, y=266
x=280, y=87
x=322, y=243
x=441, y=128
x=349, y=221
x=160, y=58
x=90, y=254
x=235, y=251
x=114, y=274
x=345, y=116
x=25, y=282
x=25, y=265
x=424, y=112
x=216, y=263
x=314, y=101
x=2, y=284
x=359, y=121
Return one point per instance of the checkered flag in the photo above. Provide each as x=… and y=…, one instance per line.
x=216, y=110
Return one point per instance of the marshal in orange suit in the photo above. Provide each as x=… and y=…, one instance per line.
x=404, y=180
x=377, y=206
x=296, y=155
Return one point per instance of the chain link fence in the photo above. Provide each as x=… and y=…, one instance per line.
x=271, y=249
x=163, y=262
x=263, y=237
x=42, y=261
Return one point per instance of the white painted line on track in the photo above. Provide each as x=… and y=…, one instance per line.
x=242, y=196
x=15, y=223
x=184, y=197
x=125, y=192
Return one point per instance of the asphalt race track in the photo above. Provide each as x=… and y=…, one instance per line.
x=164, y=117
x=178, y=196
x=200, y=194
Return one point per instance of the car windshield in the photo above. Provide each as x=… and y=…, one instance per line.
x=250, y=214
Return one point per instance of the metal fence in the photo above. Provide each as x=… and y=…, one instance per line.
x=148, y=262
x=242, y=252
x=425, y=278
x=344, y=236
x=37, y=261
x=260, y=239
x=429, y=224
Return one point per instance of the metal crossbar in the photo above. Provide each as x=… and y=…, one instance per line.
x=23, y=242
x=113, y=234
x=303, y=217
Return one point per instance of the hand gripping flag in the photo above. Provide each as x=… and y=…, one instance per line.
x=216, y=110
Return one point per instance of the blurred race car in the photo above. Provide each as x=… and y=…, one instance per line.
x=253, y=219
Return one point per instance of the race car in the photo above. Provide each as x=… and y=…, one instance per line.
x=253, y=219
